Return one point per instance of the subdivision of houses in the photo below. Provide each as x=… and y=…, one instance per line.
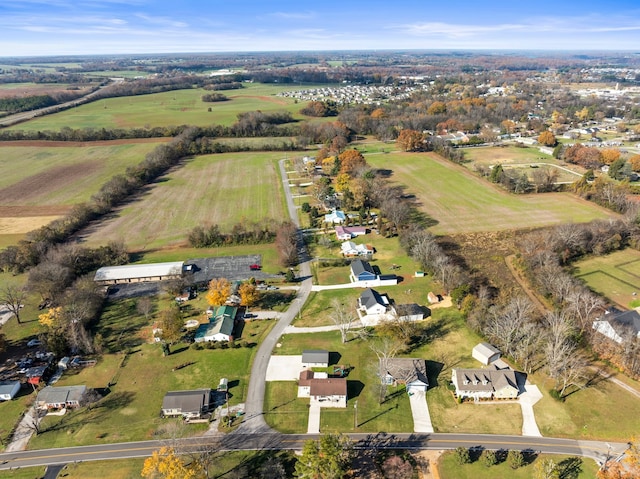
x=618, y=325
x=487, y=383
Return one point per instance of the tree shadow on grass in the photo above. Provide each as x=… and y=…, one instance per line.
x=570, y=468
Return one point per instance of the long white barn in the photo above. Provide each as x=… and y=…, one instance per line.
x=139, y=273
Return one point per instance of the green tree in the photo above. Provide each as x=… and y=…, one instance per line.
x=496, y=173
x=489, y=458
x=515, y=459
x=327, y=458
x=462, y=455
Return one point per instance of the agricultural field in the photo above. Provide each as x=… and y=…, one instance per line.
x=461, y=202
x=615, y=276
x=40, y=181
x=209, y=189
x=180, y=107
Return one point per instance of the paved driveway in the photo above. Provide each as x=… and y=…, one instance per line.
x=527, y=399
x=420, y=412
x=284, y=368
x=313, y=426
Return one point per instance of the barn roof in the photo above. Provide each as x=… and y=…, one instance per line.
x=133, y=271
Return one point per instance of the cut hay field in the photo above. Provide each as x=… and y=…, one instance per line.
x=461, y=202
x=210, y=189
x=615, y=276
x=180, y=107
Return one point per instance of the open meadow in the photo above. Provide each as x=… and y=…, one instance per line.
x=179, y=107
x=615, y=276
x=220, y=189
x=461, y=202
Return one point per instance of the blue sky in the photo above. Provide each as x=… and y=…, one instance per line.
x=61, y=27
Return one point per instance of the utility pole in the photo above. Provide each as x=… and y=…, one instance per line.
x=355, y=415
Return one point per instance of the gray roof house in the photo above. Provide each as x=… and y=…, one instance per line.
x=489, y=383
x=362, y=271
x=486, y=353
x=188, y=404
x=411, y=372
x=60, y=397
x=372, y=302
x=315, y=357
x=619, y=324
x=8, y=390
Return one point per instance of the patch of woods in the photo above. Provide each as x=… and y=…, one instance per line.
x=18, y=104
x=214, y=97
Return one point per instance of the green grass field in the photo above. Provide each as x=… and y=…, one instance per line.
x=212, y=189
x=615, y=276
x=180, y=107
x=461, y=202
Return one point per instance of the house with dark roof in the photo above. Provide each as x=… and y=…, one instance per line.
x=372, y=302
x=409, y=312
x=412, y=372
x=362, y=271
x=489, y=383
x=315, y=358
x=188, y=404
x=618, y=325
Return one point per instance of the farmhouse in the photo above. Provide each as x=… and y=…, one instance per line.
x=60, y=397
x=411, y=372
x=489, y=383
x=485, y=353
x=188, y=404
x=619, y=325
x=346, y=233
x=371, y=302
x=8, y=390
x=331, y=392
x=139, y=273
x=315, y=358
x=220, y=327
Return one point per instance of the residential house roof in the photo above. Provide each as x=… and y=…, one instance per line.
x=625, y=319
x=225, y=311
x=370, y=297
x=193, y=401
x=336, y=216
x=305, y=377
x=350, y=230
x=315, y=356
x=481, y=380
x=61, y=394
x=409, y=309
x=358, y=267
x=328, y=387
x=7, y=387
x=408, y=370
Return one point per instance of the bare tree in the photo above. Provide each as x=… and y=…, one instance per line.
x=527, y=347
x=583, y=306
x=13, y=297
x=343, y=317
x=505, y=323
x=144, y=306
x=572, y=372
x=559, y=346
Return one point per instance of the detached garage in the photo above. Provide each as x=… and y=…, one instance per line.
x=315, y=358
x=486, y=353
x=8, y=390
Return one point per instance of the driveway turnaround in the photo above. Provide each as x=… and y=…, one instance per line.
x=284, y=368
x=313, y=426
x=420, y=412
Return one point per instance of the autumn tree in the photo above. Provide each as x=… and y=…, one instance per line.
x=547, y=138
x=51, y=319
x=351, y=161
x=166, y=464
x=170, y=323
x=410, y=140
x=437, y=108
x=342, y=182
x=219, y=291
x=327, y=458
x=13, y=296
x=287, y=244
x=634, y=161
x=508, y=126
x=610, y=155
x=546, y=469
x=248, y=294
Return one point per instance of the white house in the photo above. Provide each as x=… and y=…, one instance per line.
x=345, y=233
x=371, y=302
x=485, y=353
x=409, y=312
x=618, y=325
x=188, y=404
x=489, y=383
x=331, y=392
x=8, y=390
x=60, y=397
x=350, y=249
x=335, y=217
x=306, y=378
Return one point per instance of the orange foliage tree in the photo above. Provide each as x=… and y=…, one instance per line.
x=351, y=161
x=609, y=155
x=547, y=138
x=219, y=291
x=410, y=140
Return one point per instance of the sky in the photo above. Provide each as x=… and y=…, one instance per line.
x=82, y=27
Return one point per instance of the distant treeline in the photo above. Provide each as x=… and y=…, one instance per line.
x=18, y=104
x=240, y=234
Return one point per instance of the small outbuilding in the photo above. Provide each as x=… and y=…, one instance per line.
x=485, y=353
x=315, y=358
x=8, y=390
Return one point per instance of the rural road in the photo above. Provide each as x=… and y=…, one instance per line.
x=253, y=421
x=275, y=441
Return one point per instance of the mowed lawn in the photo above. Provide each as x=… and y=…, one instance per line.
x=461, y=202
x=211, y=189
x=616, y=275
x=179, y=107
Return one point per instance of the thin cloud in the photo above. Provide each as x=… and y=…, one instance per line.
x=294, y=15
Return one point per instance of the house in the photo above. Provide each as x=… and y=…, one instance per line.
x=362, y=271
x=188, y=404
x=330, y=392
x=220, y=327
x=350, y=249
x=412, y=372
x=307, y=376
x=409, y=312
x=489, y=383
x=618, y=325
x=345, y=233
x=315, y=358
x=372, y=302
x=335, y=217
x=485, y=353
x=60, y=397
x=8, y=390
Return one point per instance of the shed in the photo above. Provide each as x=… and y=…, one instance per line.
x=223, y=385
x=486, y=353
x=315, y=358
x=9, y=389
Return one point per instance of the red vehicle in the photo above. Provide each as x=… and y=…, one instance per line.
x=255, y=267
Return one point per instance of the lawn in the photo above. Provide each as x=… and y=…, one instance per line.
x=209, y=189
x=575, y=468
x=179, y=107
x=461, y=202
x=615, y=276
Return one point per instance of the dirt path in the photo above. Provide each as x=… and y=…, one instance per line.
x=428, y=464
x=524, y=284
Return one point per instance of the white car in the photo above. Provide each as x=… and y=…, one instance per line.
x=33, y=343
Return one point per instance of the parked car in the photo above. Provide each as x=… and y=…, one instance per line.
x=255, y=267
x=250, y=315
x=272, y=288
x=33, y=343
